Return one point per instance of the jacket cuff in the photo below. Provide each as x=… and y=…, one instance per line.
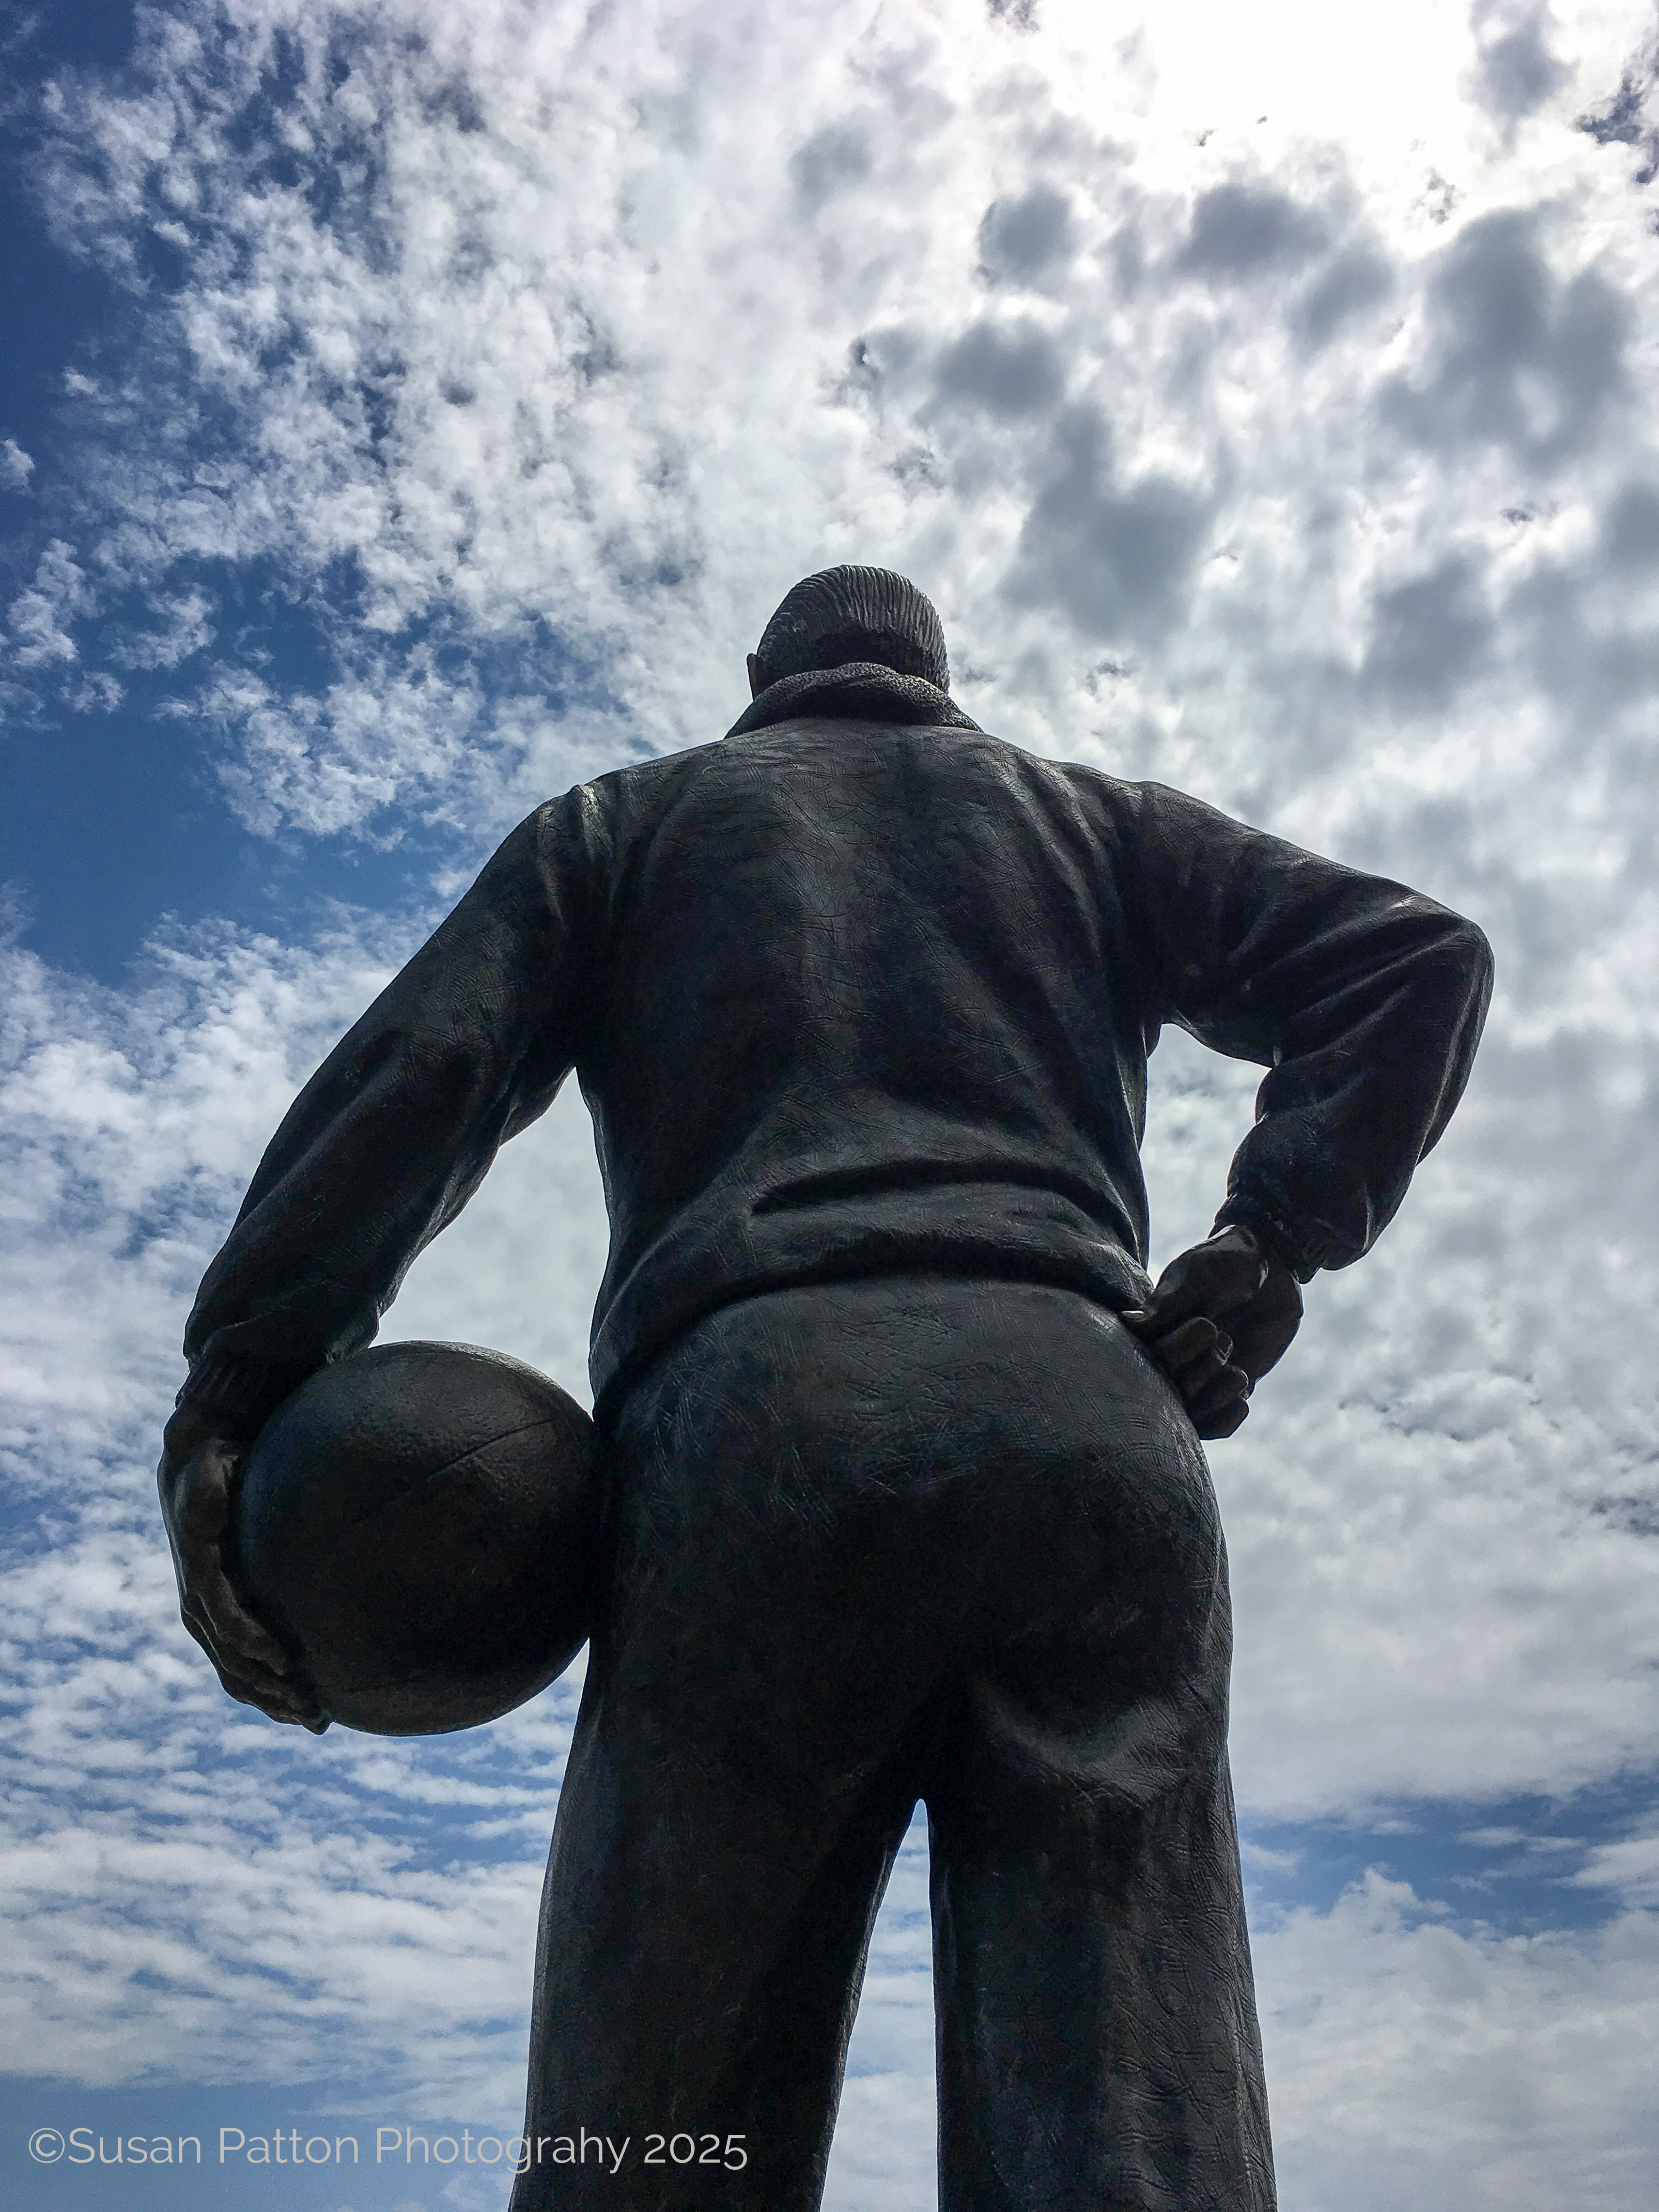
x=1299, y=1251
x=238, y=1396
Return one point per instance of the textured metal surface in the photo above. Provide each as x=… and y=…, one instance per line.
x=861, y=999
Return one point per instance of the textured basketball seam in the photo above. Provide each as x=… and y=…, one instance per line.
x=448, y=1468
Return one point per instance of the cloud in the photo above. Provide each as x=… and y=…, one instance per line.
x=883, y=2153
x=1357, y=279
x=1414, y=2059
x=1115, y=554
x=1020, y=239
x=1516, y=71
x=1633, y=529
x=418, y=359
x=1431, y=634
x=1010, y=369
x=16, y=466
x=183, y=629
x=833, y=158
x=1413, y=2064
x=1431, y=1598
x=1522, y=358
x=1240, y=231
x=1629, y=1868
x=1379, y=1550
x=38, y=618
x=1623, y=118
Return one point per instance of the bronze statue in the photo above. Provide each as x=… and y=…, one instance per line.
x=904, y=1492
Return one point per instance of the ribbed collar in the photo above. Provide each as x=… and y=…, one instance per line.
x=859, y=690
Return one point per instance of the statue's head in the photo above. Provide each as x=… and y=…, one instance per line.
x=852, y=614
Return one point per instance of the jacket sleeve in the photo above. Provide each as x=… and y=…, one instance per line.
x=395, y=1130
x=1364, y=999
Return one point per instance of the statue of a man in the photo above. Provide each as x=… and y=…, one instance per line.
x=906, y=1496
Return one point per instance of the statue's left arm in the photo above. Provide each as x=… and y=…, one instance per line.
x=380, y=1150
x=1364, y=999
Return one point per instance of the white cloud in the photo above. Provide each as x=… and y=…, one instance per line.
x=16, y=466
x=182, y=628
x=1629, y=1868
x=38, y=618
x=564, y=360
x=1416, y=2067
x=1517, y=69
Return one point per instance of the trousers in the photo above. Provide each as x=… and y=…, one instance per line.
x=875, y=1542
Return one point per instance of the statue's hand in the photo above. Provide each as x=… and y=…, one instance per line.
x=195, y=1477
x=1218, y=1318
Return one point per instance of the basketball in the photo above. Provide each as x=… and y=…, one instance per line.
x=419, y=1522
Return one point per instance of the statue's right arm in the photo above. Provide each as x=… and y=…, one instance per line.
x=1363, y=998
x=380, y=1150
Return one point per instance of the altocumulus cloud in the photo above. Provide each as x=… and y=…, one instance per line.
x=1249, y=439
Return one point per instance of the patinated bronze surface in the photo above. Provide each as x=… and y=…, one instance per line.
x=905, y=1493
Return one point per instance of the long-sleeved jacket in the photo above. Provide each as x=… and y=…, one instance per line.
x=857, y=989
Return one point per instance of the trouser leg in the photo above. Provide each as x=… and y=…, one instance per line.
x=1097, y=2038
x=699, y=1962
x=1097, y=2042
x=738, y=1786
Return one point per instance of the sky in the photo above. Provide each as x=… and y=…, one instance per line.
x=408, y=412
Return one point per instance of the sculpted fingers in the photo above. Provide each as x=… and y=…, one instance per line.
x=200, y=1523
x=249, y=1659
x=1222, y=1420
x=1229, y=1385
x=230, y=1626
x=277, y=1702
x=279, y=1698
x=1221, y=1315
x=1198, y=1356
x=1195, y=1353
x=282, y=1696
x=1203, y=1364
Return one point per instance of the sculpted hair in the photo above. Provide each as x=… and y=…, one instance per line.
x=855, y=614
